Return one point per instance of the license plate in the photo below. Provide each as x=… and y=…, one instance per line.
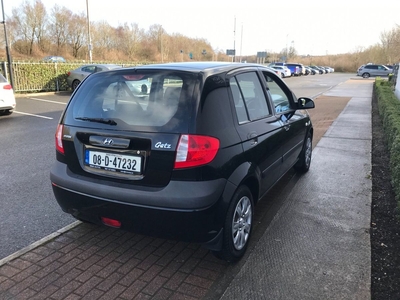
x=113, y=162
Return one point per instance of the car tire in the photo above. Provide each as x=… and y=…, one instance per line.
x=365, y=75
x=75, y=84
x=304, y=162
x=6, y=112
x=238, y=226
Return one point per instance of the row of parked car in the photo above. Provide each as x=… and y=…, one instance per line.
x=295, y=69
x=282, y=69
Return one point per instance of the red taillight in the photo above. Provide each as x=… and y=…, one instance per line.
x=59, y=142
x=111, y=222
x=7, y=87
x=69, y=73
x=195, y=150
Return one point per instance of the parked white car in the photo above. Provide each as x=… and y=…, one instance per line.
x=7, y=98
x=285, y=71
x=278, y=72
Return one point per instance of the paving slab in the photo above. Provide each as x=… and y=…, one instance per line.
x=318, y=245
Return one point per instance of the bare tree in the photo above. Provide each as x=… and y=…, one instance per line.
x=77, y=34
x=154, y=37
x=106, y=41
x=391, y=44
x=129, y=39
x=58, y=27
x=22, y=38
x=39, y=22
x=27, y=26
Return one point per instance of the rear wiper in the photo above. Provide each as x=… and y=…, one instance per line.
x=98, y=120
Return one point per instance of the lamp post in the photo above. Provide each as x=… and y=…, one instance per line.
x=161, y=44
x=10, y=68
x=287, y=50
x=234, y=41
x=88, y=28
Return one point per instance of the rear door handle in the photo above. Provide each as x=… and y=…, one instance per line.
x=253, y=136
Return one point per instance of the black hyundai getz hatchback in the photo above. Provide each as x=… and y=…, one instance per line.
x=179, y=151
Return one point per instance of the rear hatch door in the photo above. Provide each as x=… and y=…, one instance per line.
x=124, y=125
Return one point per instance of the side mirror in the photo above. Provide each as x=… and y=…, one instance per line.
x=305, y=103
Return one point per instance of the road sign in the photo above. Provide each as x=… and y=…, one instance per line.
x=262, y=54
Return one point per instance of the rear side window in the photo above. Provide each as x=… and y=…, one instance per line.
x=89, y=69
x=250, y=101
x=155, y=101
x=279, y=96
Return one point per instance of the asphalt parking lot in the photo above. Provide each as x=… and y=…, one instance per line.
x=88, y=262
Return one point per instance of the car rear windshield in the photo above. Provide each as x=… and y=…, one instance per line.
x=134, y=100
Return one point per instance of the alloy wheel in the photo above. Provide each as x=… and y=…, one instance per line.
x=241, y=223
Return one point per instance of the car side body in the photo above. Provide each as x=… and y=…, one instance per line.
x=295, y=69
x=75, y=76
x=368, y=70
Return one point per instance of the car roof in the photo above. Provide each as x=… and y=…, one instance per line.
x=371, y=65
x=198, y=67
x=111, y=66
x=103, y=65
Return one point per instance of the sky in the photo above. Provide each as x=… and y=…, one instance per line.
x=312, y=27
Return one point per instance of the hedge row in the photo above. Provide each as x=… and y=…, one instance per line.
x=389, y=110
x=42, y=76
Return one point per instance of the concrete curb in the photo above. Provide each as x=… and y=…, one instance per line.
x=38, y=243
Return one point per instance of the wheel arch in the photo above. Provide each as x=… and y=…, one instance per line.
x=247, y=174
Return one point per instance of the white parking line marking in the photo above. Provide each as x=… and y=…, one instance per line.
x=43, y=100
x=32, y=115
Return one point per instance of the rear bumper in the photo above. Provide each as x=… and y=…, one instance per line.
x=8, y=106
x=191, y=211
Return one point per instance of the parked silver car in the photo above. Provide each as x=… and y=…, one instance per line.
x=53, y=58
x=373, y=70
x=76, y=76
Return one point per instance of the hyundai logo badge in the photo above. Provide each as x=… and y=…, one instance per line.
x=108, y=142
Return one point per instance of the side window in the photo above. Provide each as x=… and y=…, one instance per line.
x=239, y=102
x=279, y=97
x=89, y=69
x=253, y=95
